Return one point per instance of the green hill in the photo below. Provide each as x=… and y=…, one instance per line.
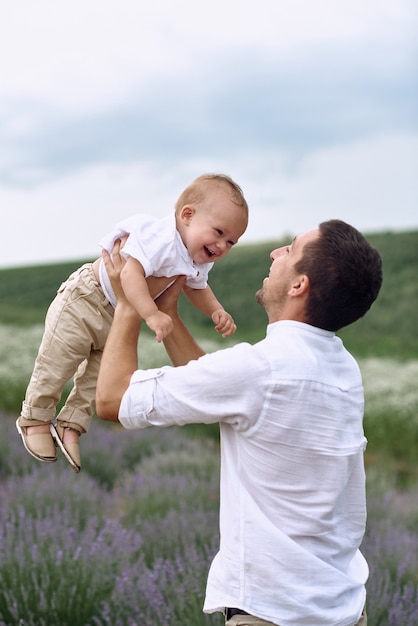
x=387, y=330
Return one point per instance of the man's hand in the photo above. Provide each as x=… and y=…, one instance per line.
x=114, y=264
x=223, y=323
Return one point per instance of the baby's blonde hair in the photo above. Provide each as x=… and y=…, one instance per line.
x=196, y=192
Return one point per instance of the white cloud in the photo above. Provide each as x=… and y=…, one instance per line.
x=366, y=184
x=371, y=184
x=108, y=108
x=89, y=53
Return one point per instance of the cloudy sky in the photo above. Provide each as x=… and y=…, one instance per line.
x=109, y=108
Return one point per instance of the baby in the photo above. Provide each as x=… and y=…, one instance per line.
x=207, y=222
x=210, y=216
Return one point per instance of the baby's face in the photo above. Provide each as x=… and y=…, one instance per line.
x=212, y=228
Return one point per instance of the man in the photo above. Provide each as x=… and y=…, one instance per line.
x=290, y=409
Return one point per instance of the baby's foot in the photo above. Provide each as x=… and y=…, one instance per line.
x=71, y=435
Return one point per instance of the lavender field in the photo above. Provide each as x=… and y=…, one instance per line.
x=129, y=540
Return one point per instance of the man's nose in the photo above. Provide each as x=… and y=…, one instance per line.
x=276, y=253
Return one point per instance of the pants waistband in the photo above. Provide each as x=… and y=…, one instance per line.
x=230, y=612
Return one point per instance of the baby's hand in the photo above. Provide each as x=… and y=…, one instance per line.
x=223, y=323
x=161, y=324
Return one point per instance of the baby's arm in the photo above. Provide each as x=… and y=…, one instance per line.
x=206, y=301
x=137, y=293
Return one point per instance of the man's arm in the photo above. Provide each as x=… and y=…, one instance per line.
x=180, y=345
x=119, y=361
x=120, y=356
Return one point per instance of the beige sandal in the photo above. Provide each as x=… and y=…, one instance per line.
x=71, y=451
x=40, y=445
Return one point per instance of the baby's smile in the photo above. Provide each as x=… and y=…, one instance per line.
x=208, y=251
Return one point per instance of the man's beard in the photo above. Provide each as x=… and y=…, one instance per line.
x=259, y=296
x=277, y=302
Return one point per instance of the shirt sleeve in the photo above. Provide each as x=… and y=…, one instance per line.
x=122, y=228
x=150, y=242
x=225, y=386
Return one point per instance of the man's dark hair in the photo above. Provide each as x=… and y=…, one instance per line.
x=345, y=275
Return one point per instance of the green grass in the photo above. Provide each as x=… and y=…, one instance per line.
x=388, y=329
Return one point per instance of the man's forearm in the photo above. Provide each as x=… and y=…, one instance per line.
x=119, y=361
x=180, y=345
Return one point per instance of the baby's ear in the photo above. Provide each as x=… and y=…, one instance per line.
x=186, y=213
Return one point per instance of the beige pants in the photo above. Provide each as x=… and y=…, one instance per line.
x=76, y=328
x=249, y=620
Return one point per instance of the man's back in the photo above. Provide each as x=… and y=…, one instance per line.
x=292, y=488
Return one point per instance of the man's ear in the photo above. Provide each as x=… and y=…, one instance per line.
x=300, y=285
x=186, y=213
